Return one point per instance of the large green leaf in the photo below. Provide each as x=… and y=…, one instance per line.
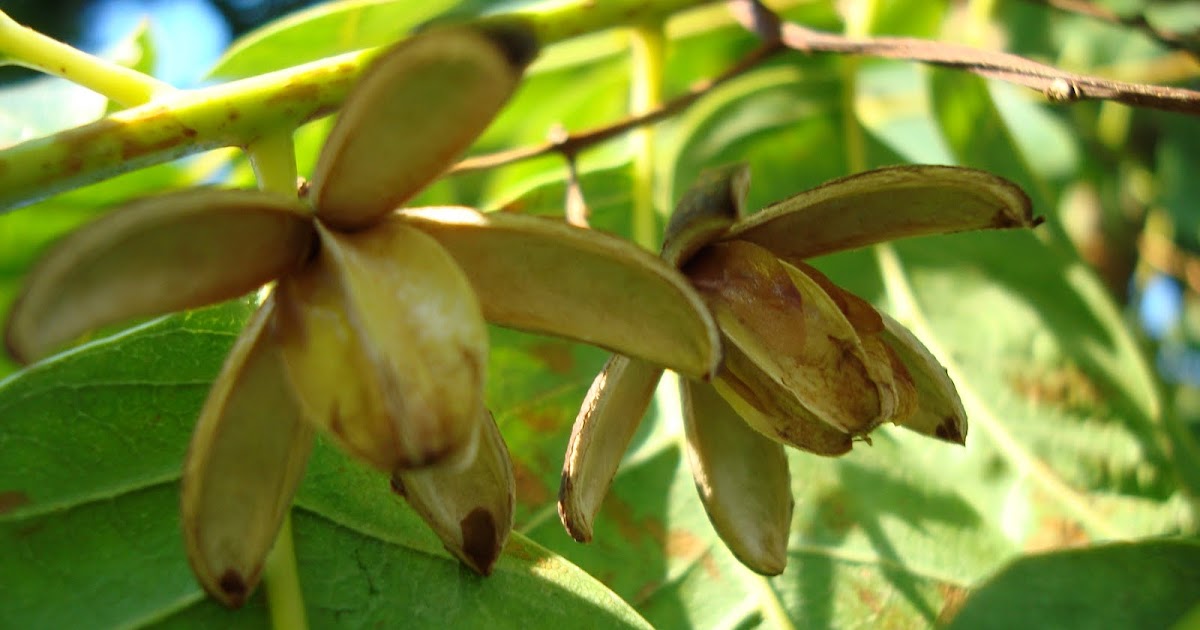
x=93, y=442
x=1125, y=585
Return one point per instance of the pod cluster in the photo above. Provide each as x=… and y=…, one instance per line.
x=373, y=332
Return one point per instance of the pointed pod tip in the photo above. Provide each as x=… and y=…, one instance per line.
x=576, y=523
x=951, y=430
x=516, y=38
x=13, y=346
x=233, y=588
x=481, y=543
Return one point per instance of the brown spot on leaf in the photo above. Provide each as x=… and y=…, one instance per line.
x=543, y=421
x=953, y=598
x=632, y=528
x=11, y=500
x=479, y=539
x=683, y=544
x=869, y=598
x=645, y=591
x=1067, y=388
x=234, y=587
x=530, y=489
x=556, y=356
x=1055, y=532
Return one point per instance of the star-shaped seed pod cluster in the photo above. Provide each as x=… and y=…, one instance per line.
x=805, y=363
x=374, y=332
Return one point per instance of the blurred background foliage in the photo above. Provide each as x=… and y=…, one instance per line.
x=1076, y=439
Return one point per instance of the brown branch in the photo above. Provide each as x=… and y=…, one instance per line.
x=1057, y=85
x=571, y=144
x=1136, y=21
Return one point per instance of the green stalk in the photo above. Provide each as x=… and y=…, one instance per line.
x=179, y=124
x=237, y=113
x=858, y=24
x=284, y=597
x=27, y=47
x=274, y=161
x=648, y=56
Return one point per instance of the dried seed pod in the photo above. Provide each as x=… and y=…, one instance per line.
x=549, y=277
x=610, y=415
x=470, y=506
x=386, y=346
x=706, y=211
x=415, y=109
x=791, y=330
x=154, y=256
x=773, y=411
x=939, y=412
x=884, y=205
x=246, y=459
x=742, y=478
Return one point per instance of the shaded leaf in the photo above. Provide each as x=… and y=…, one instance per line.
x=1150, y=584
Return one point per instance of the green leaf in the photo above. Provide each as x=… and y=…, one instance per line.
x=1149, y=584
x=93, y=442
x=323, y=31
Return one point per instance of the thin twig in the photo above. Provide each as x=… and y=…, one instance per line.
x=571, y=144
x=1057, y=85
x=1136, y=21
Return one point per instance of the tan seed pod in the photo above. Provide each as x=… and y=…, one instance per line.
x=773, y=411
x=606, y=423
x=246, y=459
x=386, y=346
x=470, y=507
x=884, y=205
x=546, y=276
x=742, y=478
x=708, y=208
x=155, y=256
x=412, y=113
x=939, y=412
x=791, y=330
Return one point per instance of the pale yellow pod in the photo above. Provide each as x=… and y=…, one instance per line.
x=546, y=276
x=610, y=415
x=789, y=328
x=386, y=346
x=884, y=205
x=742, y=478
x=246, y=459
x=411, y=114
x=155, y=256
x=469, y=506
x=939, y=411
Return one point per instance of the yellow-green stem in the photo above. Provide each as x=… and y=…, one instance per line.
x=274, y=160
x=284, y=597
x=648, y=56
x=27, y=47
x=859, y=21
x=237, y=113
